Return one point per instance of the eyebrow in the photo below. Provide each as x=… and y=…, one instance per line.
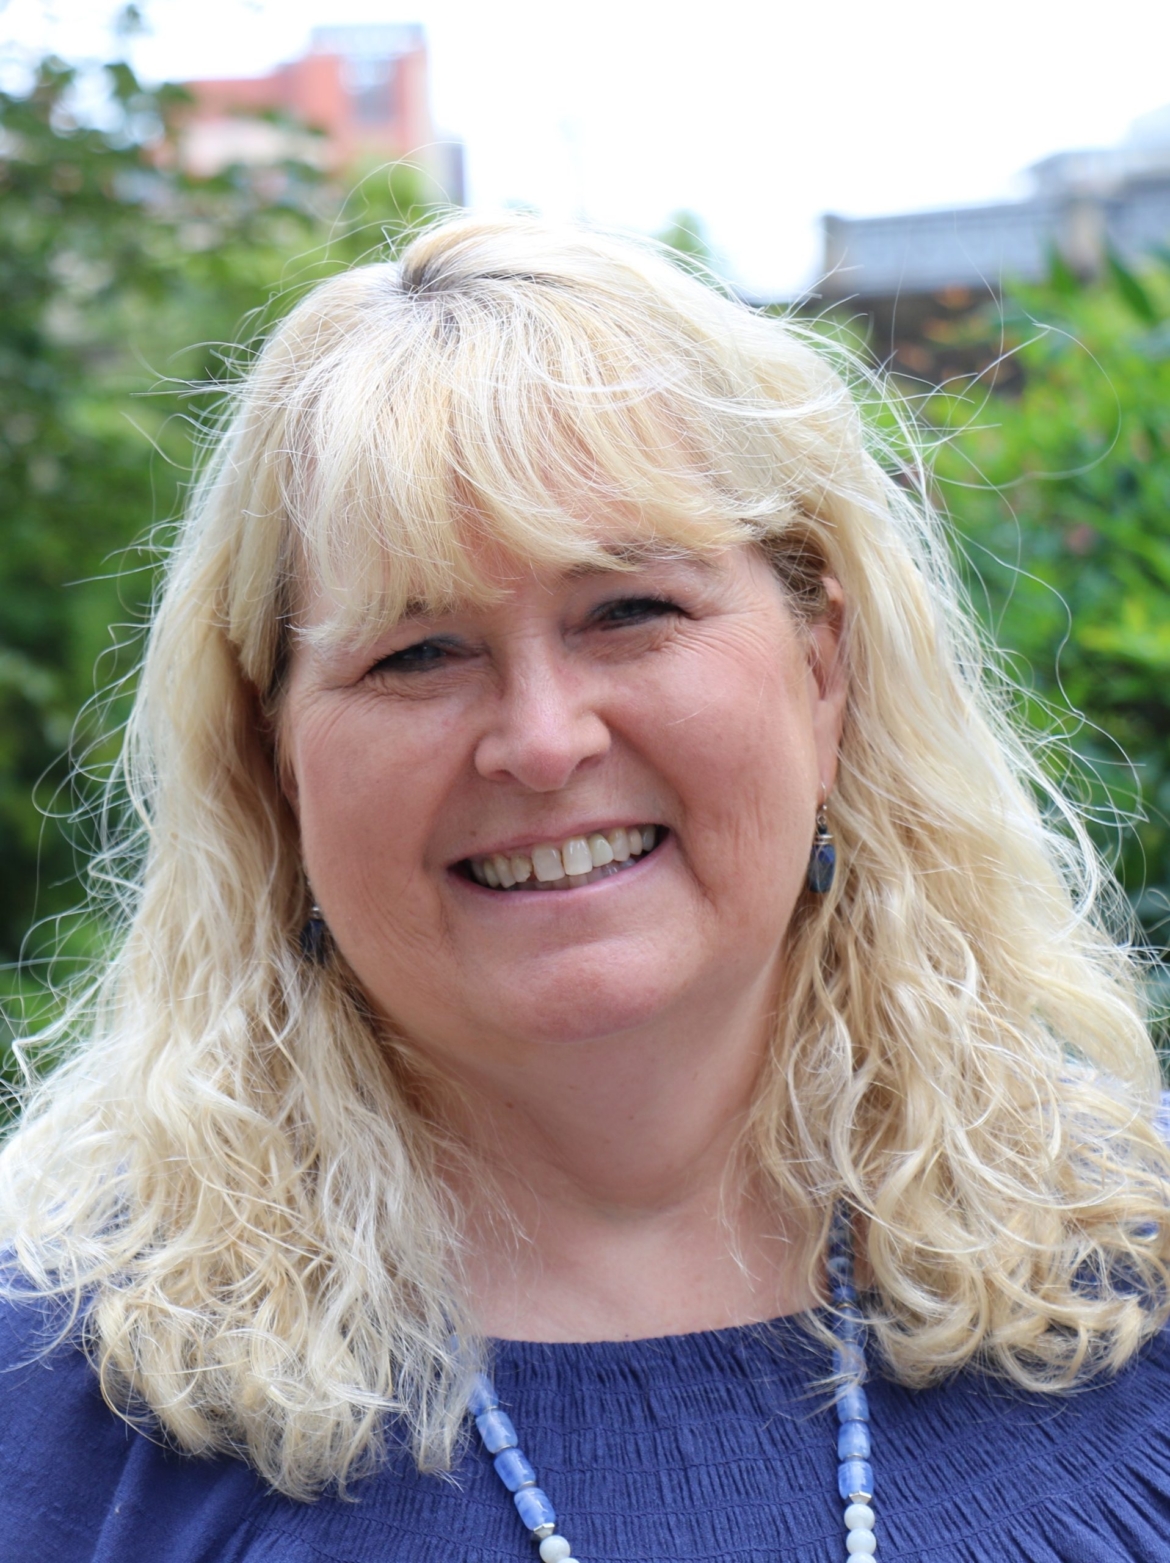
x=636, y=554
x=331, y=638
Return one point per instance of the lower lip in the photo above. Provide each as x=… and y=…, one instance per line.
x=523, y=897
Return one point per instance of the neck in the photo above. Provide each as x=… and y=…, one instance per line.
x=606, y=1191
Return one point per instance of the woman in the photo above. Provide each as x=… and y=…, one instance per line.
x=583, y=881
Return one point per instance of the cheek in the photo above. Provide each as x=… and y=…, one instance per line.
x=742, y=755
x=366, y=798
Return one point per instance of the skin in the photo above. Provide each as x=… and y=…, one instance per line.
x=609, y=1036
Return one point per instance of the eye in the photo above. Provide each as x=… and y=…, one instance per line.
x=622, y=611
x=422, y=657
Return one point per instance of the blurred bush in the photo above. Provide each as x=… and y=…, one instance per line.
x=1060, y=499
x=112, y=264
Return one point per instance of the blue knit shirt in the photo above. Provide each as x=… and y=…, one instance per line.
x=696, y=1447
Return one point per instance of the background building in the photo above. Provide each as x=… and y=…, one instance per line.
x=360, y=95
x=915, y=275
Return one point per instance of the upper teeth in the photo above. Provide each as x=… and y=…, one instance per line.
x=570, y=862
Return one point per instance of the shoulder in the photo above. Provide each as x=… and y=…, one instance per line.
x=76, y=1481
x=58, y=1439
x=61, y=1450
x=979, y=1461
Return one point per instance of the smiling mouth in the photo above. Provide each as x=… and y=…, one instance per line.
x=564, y=865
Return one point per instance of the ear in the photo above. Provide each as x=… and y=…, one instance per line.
x=269, y=752
x=282, y=766
x=286, y=780
x=829, y=681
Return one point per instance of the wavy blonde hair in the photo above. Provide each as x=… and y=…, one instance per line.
x=229, y=1176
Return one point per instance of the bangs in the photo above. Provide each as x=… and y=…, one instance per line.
x=510, y=419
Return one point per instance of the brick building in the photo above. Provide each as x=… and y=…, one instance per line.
x=359, y=95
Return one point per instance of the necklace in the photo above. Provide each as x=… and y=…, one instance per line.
x=854, y=1471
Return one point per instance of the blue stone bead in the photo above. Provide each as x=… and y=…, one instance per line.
x=849, y=1360
x=515, y=1471
x=852, y=1405
x=534, y=1508
x=852, y=1441
x=840, y=1267
x=483, y=1395
x=855, y=1480
x=849, y=1324
x=822, y=865
x=844, y=1292
x=314, y=941
x=497, y=1431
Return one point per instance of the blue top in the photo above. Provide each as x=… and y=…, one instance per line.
x=704, y=1447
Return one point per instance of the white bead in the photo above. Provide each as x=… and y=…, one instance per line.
x=861, y=1543
x=554, y=1549
x=859, y=1516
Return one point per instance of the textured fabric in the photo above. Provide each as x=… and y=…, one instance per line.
x=697, y=1447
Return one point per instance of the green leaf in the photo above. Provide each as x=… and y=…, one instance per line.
x=1062, y=279
x=1131, y=290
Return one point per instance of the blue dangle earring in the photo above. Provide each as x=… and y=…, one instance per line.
x=315, y=938
x=822, y=860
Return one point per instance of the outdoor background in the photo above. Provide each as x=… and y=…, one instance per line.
x=128, y=268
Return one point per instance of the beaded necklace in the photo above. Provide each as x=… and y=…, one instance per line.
x=854, y=1471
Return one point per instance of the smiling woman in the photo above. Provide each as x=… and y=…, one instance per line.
x=585, y=890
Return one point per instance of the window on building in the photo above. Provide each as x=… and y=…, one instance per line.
x=370, y=84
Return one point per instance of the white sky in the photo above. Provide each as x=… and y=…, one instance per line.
x=757, y=116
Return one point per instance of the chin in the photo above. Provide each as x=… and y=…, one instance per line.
x=588, y=1004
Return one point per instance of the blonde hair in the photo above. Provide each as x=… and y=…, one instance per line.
x=229, y=1176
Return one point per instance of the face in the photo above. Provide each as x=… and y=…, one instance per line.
x=529, y=740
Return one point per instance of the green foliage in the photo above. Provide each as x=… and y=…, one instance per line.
x=686, y=235
x=1061, y=499
x=121, y=283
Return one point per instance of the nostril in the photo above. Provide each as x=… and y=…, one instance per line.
x=541, y=747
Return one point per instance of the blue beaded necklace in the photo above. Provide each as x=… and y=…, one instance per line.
x=854, y=1471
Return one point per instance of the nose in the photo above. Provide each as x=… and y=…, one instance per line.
x=543, y=727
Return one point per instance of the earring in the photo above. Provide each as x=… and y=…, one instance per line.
x=314, y=939
x=822, y=860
